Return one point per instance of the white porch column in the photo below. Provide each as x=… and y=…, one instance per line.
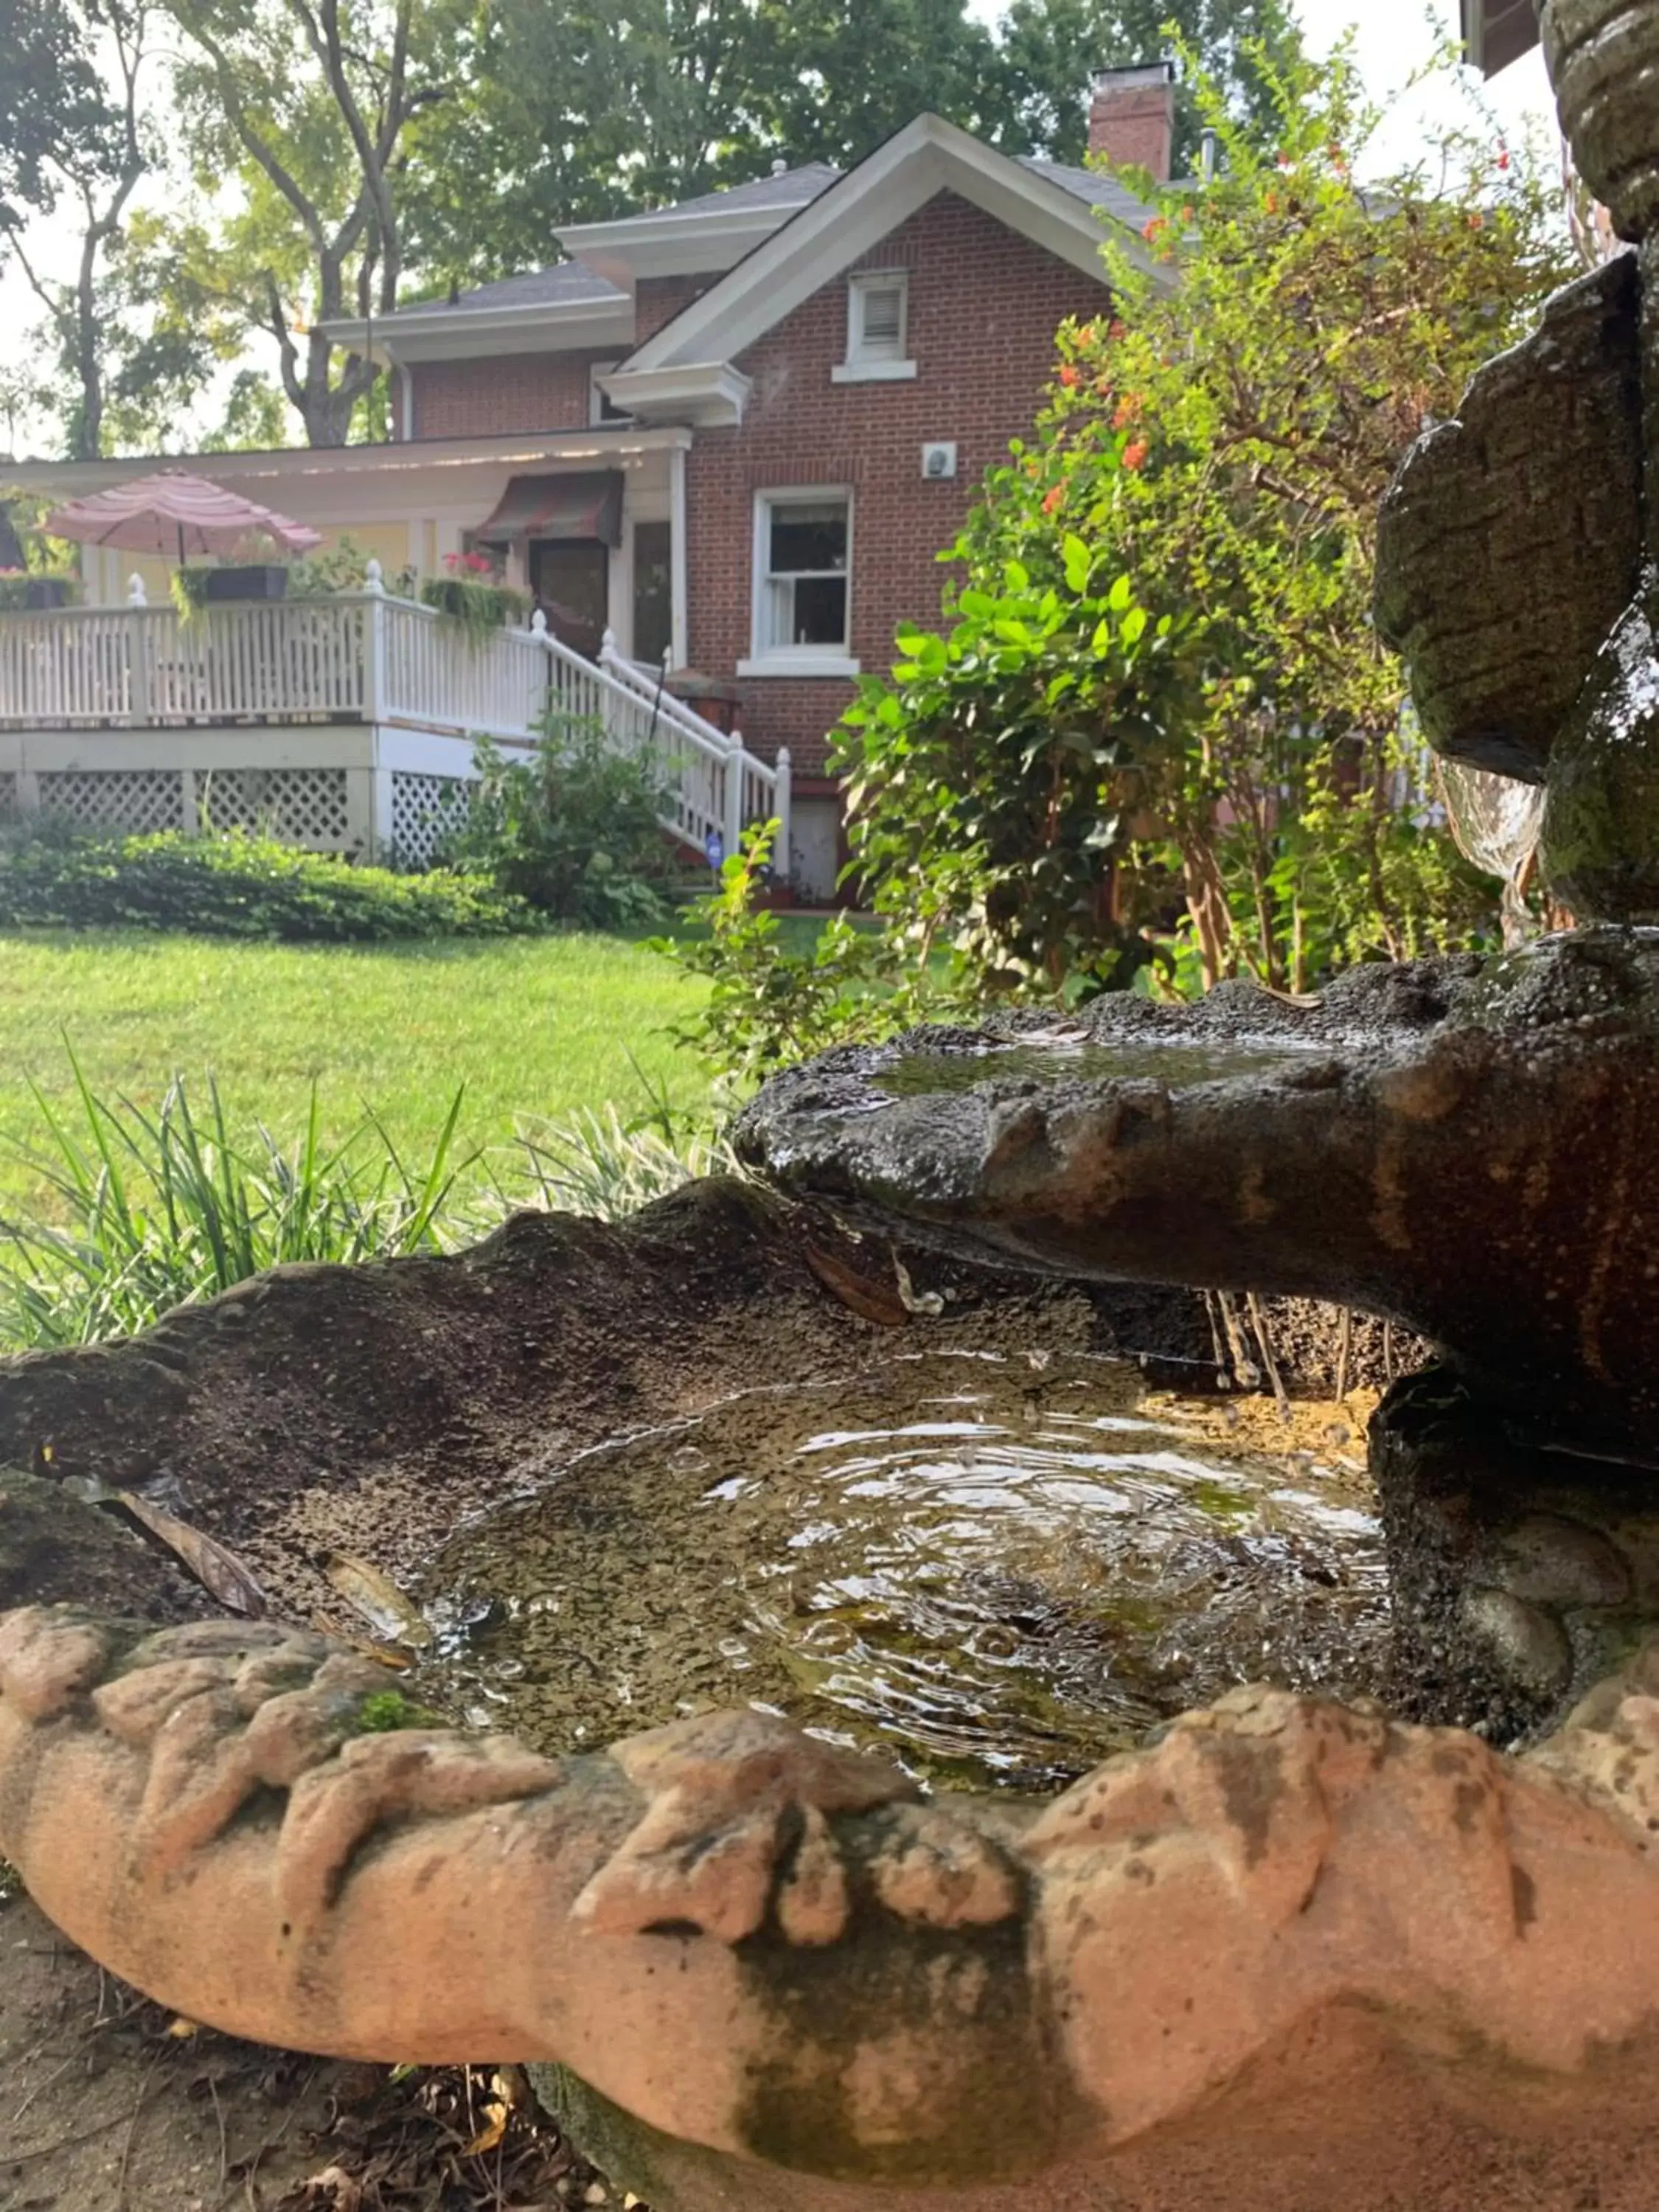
x=781, y=808
x=678, y=600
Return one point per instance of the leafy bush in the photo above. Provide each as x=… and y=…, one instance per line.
x=769, y=1007
x=574, y=830
x=162, y=1208
x=237, y=886
x=342, y=566
x=989, y=783
x=1041, y=791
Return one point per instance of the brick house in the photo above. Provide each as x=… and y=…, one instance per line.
x=735, y=432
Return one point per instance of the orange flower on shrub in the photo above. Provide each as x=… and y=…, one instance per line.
x=1068, y=373
x=1134, y=455
x=1117, y=329
x=1128, y=409
x=1051, y=499
x=1157, y=225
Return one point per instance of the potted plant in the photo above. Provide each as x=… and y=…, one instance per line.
x=34, y=588
x=470, y=593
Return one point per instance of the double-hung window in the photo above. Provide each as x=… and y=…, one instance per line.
x=802, y=576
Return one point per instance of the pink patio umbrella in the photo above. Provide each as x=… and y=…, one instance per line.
x=173, y=513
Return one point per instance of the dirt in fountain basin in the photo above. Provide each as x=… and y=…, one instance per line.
x=372, y=1411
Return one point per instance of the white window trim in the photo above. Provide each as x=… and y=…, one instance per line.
x=872, y=372
x=860, y=368
x=795, y=659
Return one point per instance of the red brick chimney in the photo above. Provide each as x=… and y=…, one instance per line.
x=1132, y=116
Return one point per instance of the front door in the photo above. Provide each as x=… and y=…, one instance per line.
x=570, y=581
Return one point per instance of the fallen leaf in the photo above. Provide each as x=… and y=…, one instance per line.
x=218, y=1570
x=182, y=2029
x=494, y=2128
x=864, y=1295
x=393, y=1617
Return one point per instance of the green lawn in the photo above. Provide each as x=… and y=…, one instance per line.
x=531, y=1025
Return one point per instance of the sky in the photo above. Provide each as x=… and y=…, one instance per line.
x=1395, y=37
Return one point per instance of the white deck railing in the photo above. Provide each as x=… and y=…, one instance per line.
x=367, y=657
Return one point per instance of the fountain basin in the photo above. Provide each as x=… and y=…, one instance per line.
x=1456, y=1146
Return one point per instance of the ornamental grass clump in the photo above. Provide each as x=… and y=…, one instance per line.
x=158, y=1209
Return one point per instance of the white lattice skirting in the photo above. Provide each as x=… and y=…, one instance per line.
x=425, y=810
x=388, y=793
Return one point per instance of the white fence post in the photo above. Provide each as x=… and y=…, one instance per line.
x=781, y=808
x=139, y=642
x=374, y=644
x=545, y=638
x=733, y=794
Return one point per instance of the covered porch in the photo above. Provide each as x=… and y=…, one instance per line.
x=602, y=508
x=347, y=723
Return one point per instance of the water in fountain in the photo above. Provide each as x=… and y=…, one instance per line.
x=999, y=1573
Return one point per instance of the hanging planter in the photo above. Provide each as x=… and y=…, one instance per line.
x=470, y=597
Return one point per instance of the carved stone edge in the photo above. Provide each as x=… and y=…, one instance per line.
x=213, y=1813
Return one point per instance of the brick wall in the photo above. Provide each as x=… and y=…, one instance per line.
x=504, y=393
x=658, y=299
x=984, y=304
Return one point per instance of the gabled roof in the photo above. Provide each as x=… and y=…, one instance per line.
x=709, y=233
x=1054, y=206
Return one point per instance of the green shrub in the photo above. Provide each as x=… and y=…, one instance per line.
x=574, y=830
x=237, y=886
x=770, y=1007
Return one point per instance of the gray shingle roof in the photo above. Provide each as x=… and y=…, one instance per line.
x=792, y=188
x=562, y=285
x=1089, y=184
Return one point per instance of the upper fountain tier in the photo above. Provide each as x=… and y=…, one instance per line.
x=1465, y=1149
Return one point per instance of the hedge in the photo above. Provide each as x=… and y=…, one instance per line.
x=236, y=885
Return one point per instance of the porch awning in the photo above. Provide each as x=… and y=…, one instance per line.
x=582, y=506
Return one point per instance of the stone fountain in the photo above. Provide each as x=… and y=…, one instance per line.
x=1296, y=1954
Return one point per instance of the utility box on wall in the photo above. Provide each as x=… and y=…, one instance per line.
x=938, y=460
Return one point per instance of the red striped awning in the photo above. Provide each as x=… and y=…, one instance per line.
x=573, y=506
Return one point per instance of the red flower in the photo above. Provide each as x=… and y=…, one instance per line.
x=1086, y=335
x=1068, y=373
x=1158, y=223
x=1127, y=408
x=1117, y=330
x=1477, y=221
x=1135, y=456
x=1503, y=157
x=1051, y=500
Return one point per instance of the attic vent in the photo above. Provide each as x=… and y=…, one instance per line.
x=876, y=319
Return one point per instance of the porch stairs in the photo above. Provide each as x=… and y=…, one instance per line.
x=345, y=723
